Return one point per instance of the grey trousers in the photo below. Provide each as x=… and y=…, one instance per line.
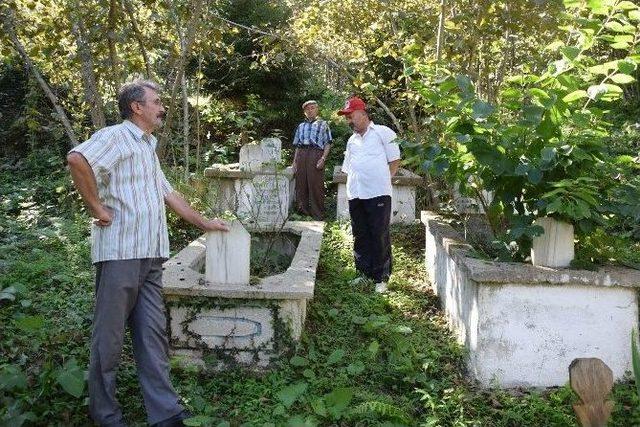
x=130, y=292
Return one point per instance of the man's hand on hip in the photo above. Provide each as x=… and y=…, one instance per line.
x=215, y=225
x=103, y=216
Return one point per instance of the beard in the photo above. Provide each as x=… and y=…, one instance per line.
x=352, y=126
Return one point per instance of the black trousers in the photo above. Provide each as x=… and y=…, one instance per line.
x=371, y=241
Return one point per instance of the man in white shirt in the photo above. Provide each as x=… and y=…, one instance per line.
x=120, y=180
x=371, y=159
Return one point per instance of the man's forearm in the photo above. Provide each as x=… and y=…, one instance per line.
x=394, y=166
x=325, y=154
x=184, y=210
x=84, y=180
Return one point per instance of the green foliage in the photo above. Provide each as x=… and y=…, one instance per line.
x=539, y=149
x=364, y=359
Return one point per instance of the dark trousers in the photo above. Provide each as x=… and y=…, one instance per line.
x=309, y=183
x=129, y=292
x=371, y=241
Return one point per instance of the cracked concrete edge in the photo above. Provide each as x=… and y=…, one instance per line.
x=500, y=272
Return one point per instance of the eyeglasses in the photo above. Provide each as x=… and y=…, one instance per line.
x=157, y=102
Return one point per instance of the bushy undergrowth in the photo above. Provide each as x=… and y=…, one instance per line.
x=364, y=359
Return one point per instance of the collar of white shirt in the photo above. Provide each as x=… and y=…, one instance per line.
x=369, y=127
x=138, y=133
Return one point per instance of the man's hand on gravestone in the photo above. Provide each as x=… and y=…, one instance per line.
x=103, y=216
x=215, y=225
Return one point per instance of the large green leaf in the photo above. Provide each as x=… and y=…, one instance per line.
x=290, y=394
x=12, y=378
x=338, y=400
x=627, y=5
x=533, y=114
x=298, y=361
x=574, y=96
x=335, y=357
x=71, y=378
x=570, y=52
x=482, y=109
x=534, y=175
x=622, y=78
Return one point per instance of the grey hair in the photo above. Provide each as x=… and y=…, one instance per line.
x=133, y=91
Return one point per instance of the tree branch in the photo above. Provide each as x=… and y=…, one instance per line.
x=8, y=24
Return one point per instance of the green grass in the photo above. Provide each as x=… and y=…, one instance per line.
x=364, y=359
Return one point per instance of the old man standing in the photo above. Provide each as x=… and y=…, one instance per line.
x=120, y=180
x=312, y=142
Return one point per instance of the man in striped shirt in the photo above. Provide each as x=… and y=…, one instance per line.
x=118, y=175
x=312, y=142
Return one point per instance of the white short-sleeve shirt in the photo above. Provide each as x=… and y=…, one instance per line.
x=366, y=162
x=130, y=182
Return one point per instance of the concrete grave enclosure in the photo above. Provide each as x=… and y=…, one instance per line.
x=223, y=324
x=523, y=324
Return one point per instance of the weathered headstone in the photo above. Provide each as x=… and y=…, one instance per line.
x=251, y=157
x=271, y=150
x=555, y=247
x=592, y=380
x=264, y=199
x=227, y=259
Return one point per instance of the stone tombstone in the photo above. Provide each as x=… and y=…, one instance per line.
x=271, y=150
x=227, y=255
x=264, y=199
x=251, y=157
x=554, y=248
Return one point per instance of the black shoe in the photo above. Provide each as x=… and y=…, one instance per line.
x=175, y=421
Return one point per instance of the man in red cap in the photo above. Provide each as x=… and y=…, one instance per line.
x=371, y=159
x=312, y=142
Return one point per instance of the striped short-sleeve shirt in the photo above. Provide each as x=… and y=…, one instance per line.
x=131, y=183
x=314, y=133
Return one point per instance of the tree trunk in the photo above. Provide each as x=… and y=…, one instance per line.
x=187, y=39
x=8, y=24
x=185, y=124
x=197, y=111
x=116, y=69
x=139, y=38
x=91, y=93
x=440, y=36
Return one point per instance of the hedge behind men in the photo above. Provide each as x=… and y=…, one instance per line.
x=371, y=159
x=312, y=141
x=120, y=180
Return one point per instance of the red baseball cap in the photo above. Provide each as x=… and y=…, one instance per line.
x=352, y=105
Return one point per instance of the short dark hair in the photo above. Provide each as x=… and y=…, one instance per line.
x=133, y=91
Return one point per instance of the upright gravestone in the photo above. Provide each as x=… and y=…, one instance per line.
x=257, y=190
x=271, y=150
x=227, y=259
x=251, y=157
